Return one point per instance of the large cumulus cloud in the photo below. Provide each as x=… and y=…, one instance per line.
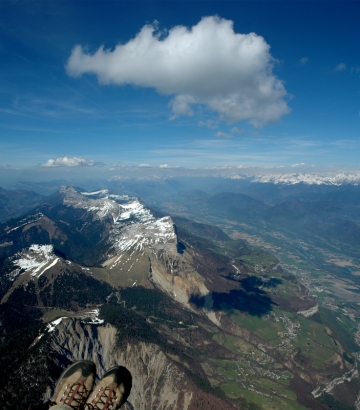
x=208, y=64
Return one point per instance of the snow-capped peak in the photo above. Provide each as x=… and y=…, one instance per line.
x=103, y=204
x=342, y=178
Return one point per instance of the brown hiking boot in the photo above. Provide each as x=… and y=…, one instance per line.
x=75, y=384
x=112, y=390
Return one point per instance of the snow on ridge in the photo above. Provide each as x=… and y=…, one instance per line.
x=118, y=207
x=36, y=259
x=92, y=318
x=134, y=226
x=52, y=325
x=100, y=192
x=122, y=212
x=156, y=234
x=26, y=221
x=119, y=197
x=50, y=266
x=103, y=207
x=137, y=210
x=342, y=178
x=41, y=249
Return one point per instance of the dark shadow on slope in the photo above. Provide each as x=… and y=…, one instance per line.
x=250, y=299
x=180, y=247
x=60, y=254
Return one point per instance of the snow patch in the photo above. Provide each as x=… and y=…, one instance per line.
x=35, y=259
x=92, y=318
x=52, y=325
x=100, y=192
x=50, y=266
x=26, y=221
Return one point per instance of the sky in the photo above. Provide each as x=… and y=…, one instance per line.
x=93, y=86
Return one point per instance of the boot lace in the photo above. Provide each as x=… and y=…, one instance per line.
x=104, y=399
x=74, y=395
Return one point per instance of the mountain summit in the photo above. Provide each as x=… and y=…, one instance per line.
x=116, y=235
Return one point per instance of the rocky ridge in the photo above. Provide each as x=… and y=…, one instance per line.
x=151, y=369
x=126, y=235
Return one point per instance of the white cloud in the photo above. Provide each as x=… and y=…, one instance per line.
x=169, y=166
x=235, y=130
x=221, y=134
x=340, y=67
x=300, y=164
x=70, y=162
x=303, y=60
x=211, y=124
x=355, y=69
x=144, y=166
x=181, y=105
x=208, y=64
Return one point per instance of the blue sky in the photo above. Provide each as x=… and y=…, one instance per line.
x=182, y=83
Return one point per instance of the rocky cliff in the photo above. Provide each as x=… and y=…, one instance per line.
x=158, y=382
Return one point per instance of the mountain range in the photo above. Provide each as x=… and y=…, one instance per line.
x=200, y=318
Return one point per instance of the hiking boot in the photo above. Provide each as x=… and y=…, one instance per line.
x=75, y=384
x=112, y=390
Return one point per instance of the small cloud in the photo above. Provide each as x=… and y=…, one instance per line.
x=168, y=166
x=181, y=105
x=303, y=60
x=340, y=67
x=211, y=124
x=355, y=70
x=300, y=164
x=221, y=167
x=5, y=166
x=221, y=134
x=71, y=162
x=144, y=166
x=236, y=130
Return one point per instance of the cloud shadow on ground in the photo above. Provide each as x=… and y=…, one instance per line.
x=250, y=299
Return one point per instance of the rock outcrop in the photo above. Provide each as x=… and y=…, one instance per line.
x=157, y=382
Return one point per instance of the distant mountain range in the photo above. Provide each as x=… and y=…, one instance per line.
x=309, y=179
x=15, y=202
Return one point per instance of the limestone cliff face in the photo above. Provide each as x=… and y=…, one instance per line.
x=157, y=382
x=176, y=275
